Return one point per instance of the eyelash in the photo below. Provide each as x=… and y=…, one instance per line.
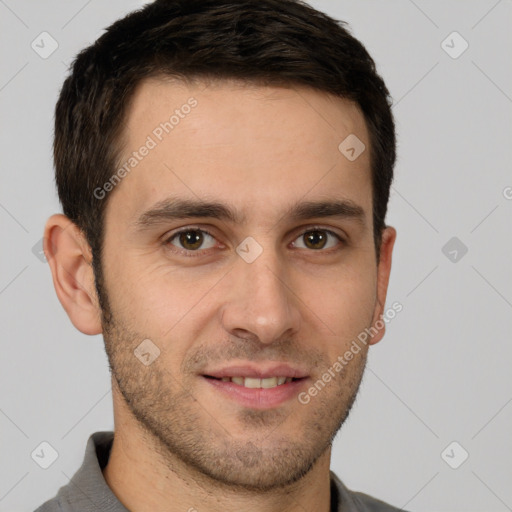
x=199, y=252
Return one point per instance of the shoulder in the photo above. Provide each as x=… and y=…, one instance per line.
x=52, y=505
x=355, y=501
x=372, y=504
x=87, y=481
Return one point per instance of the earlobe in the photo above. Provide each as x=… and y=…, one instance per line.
x=70, y=259
x=383, y=273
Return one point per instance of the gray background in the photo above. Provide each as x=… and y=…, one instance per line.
x=442, y=372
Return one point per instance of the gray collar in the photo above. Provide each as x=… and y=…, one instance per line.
x=88, y=491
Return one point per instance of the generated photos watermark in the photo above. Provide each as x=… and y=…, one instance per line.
x=362, y=339
x=152, y=141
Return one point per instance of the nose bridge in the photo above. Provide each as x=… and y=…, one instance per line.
x=261, y=301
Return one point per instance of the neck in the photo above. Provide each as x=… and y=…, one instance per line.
x=145, y=477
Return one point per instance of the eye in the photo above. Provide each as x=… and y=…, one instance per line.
x=194, y=240
x=191, y=239
x=317, y=239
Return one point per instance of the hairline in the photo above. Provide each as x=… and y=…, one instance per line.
x=194, y=79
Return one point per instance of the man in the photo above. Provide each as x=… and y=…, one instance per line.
x=224, y=169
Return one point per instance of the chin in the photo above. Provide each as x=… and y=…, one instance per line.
x=257, y=469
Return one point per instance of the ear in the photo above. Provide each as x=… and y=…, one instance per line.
x=383, y=272
x=70, y=259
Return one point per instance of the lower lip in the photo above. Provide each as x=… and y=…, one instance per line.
x=258, y=398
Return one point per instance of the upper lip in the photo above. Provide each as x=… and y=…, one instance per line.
x=261, y=371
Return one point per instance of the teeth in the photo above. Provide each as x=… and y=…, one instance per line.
x=271, y=382
x=250, y=382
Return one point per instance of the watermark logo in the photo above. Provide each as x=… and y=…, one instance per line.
x=38, y=251
x=454, y=249
x=44, y=45
x=362, y=339
x=44, y=455
x=147, y=352
x=249, y=249
x=454, y=45
x=351, y=147
x=152, y=140
x=454, y=455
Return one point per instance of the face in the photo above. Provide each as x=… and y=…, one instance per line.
x=239, y=253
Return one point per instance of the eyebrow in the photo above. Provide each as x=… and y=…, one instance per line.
x=173, y=208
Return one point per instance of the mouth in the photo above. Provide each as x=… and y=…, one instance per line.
x=261, y=387
x=255, y=383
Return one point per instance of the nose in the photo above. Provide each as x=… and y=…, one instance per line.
x=261, y=303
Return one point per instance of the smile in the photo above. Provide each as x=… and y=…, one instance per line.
x=253, y=383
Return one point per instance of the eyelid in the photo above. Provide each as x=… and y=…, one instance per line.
x=341, y=239
x=327, y=229
x=170, y=236
x=199, y=252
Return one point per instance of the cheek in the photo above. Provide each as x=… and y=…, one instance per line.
x=161, y=301
x=139, y=299
x=346, y=301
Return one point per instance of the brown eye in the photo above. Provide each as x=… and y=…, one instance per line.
x=191, y=239
x=317, y=239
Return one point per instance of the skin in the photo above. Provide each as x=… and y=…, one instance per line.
x=179, y=443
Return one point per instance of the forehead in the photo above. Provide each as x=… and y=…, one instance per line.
x=246, y=145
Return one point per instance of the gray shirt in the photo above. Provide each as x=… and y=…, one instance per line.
x=88, y=491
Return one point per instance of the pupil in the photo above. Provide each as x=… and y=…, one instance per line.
x=191, y=239
x=194, y=239
x=315, y=237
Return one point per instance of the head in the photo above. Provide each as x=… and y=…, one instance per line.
x=225, y=117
